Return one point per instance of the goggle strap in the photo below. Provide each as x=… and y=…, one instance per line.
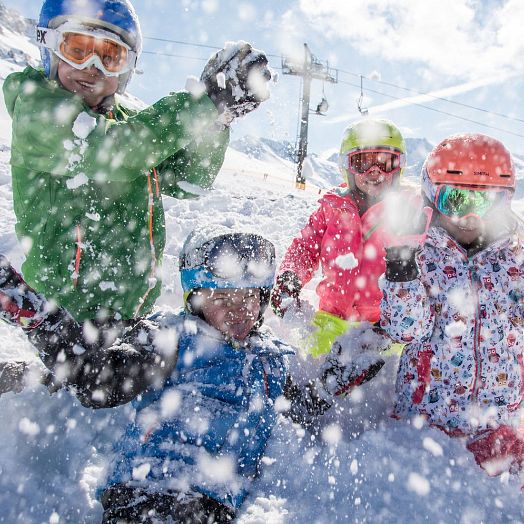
x=46, y=37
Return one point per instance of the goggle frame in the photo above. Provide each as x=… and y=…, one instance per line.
x=399, y=155
x=52, y=39
x=502, y=196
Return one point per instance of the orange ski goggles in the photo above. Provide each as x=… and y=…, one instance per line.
x=82, y=48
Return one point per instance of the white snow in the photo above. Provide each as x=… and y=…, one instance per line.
x=77, y=181
x=366, y=467
x=28, y=427
x=348, y=261
x=83, y=125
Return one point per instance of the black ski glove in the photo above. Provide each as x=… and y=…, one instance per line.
x=401, y=263
x=236, y=78
x=406, y=226
x=15, y=376
x=12, y=377
x=355, y=358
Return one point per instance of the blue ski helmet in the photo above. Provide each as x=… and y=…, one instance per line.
x=117, y=16
x=216, y=257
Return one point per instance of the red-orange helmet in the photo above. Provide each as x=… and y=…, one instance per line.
x=468, y=159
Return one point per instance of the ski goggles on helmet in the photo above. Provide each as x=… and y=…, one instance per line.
x=388, y=160
x=82, y=47
x=454, y=201
x=236, y=260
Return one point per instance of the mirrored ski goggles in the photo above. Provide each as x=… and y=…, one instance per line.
x=82, y=48
x=239, y=259
x=389, y=161
x=459, y=202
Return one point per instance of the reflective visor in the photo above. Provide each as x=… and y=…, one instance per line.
x=387, y=160
x=241, y=259
x=455, y=201
x=80, y=47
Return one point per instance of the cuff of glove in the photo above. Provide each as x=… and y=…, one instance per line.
x=401, y=264
x=338, y=380
x=329, y=327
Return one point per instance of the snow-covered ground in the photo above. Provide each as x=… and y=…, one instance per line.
x=366, y=467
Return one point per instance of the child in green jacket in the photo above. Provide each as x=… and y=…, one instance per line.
x=89, y=172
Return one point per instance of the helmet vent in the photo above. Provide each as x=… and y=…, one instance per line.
x=455, y=172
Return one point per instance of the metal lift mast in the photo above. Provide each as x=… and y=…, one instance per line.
x=310, y=69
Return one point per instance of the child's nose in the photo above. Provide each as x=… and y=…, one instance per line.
x=94, y=71
x=237, y=304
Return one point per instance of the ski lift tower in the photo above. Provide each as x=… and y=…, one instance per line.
x=311, y=68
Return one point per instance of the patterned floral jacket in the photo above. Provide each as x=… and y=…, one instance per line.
x=462, y=322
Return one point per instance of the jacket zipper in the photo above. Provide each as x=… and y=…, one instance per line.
x=151, y=238
x=476, y=342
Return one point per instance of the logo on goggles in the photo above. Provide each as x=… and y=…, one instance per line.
x=388, y=160
x=40, y=36
x=459, y=202
x=81, y=47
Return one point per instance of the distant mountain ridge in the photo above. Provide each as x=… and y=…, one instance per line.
x=262, y=148
x=13, y=20
x=17, y=44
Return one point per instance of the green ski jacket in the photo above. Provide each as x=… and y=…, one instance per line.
x=87, y=190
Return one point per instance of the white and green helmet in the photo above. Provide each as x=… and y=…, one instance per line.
x=370, y=133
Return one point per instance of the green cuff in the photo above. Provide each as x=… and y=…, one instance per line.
x=328, y=328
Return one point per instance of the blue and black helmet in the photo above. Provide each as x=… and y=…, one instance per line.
x=117, y=16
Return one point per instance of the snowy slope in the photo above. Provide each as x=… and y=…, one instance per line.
x=365, y=468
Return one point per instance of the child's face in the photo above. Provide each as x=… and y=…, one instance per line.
x=90, y=83
x=374, y=182
x=465, y=230
x=233, y=312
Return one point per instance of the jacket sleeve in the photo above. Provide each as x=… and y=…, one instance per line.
x=405, y=311
x=197, y=164
x=53, y=132
x=104, y=374
x=303, y=255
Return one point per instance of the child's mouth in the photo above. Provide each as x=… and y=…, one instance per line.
x=86, y=85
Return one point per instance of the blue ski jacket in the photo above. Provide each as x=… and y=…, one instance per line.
x=205, y=429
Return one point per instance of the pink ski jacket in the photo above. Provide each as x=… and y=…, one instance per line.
x=351, y=252
x=462, y=320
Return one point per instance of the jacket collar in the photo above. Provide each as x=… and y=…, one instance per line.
x=440, y=239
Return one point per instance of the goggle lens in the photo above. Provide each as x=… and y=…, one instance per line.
x=459, y=202
x=79, y=48
x=360, y=162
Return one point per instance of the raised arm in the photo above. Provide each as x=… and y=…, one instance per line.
x=107, y=366
x=55, y=133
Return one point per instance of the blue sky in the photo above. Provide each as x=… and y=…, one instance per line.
x=467, y=51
